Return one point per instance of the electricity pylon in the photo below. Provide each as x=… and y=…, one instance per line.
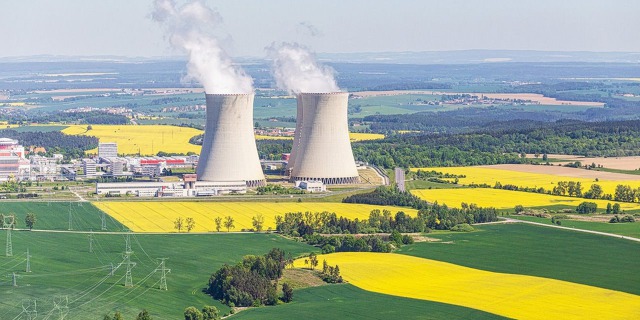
x=163, y=273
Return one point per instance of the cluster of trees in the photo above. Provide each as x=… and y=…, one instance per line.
x=617, y=219
x=229, y=222
x=92, y=117
x=249, y=283
x=207, y=313
x=143, y=315
x=587, y=207
x=623, y=193
x=71, y=146
x=188, y=224
x=387, y=196
x=278, y=189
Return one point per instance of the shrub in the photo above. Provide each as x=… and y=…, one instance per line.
x=587, y=207
x=462, y=227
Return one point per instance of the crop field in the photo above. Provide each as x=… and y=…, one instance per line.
x=539, y=251
x=480, y=175
x=507, y=199
x=80, y=216
x=63, y=267
x=146, y=140
x=160, y=216
x=509, y=295
x=623, y=229
x=337, y=301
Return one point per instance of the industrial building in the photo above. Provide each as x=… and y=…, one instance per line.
x=229, y=151
x=189, y=187
x=321, y=146
x=13, y=164
x=107, y=149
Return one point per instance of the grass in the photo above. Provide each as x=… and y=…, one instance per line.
x=46, y=128
x=160, y=216
x=345, y=300
x=577, y=257
x=624, y=229
x=510, y=295
x=55, y=215
x=62, y=265
x=423, y=184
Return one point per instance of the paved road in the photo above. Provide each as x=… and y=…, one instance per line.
x=400, y=179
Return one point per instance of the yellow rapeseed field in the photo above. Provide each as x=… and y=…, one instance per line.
x=506, y=199
x=524, y=179
x=155, y=216
x=146, y=139
x=509, y=295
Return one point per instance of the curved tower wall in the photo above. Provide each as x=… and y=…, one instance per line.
x=229, y=151
x=324, y=150
x=297, y=136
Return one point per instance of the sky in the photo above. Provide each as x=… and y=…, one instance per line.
x=125, y=28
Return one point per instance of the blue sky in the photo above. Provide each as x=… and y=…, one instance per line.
x=124, y=27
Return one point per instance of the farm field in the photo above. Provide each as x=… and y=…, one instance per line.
x=483, y=175
x=160, y=216
x=621, y=163
x=565, y=171
x=624, y=229
x=147, y=140
x=62, y=266
x=539, y=251
x=336, y=301
x=507, y=199
x=519, y=296
x=55, y=215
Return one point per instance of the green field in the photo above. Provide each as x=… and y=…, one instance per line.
x=347, y=301
x=62, y=265
x=55, y=215
x=624, y=229
x=38, y=128
x=578, y=257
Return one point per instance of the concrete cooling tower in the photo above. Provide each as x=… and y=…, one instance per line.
x=321, y=147
x=229, y=150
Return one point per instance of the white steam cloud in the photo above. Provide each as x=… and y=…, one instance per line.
x=190, y=28
x=296, y=70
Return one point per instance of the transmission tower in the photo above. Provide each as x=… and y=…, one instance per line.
x=128, y=280
x=127, y=242
x=29, y=308
x=14, y=279
x=91, y=241
x=163, y=273
x=28, y=268
x=70, y=227
x=60, y=303
x=9, y=249
x=104, y=221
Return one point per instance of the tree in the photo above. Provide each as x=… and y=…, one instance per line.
x=587, y=207
x=616, y=208
x=190, y=224
x=609, y=208
x=143, y=315
x=313, y=260
x=117, y=316
x=519, y=208
x=107, y=317
x=178, y=223
x=218, y=221
x=30, y=220
x=287, y=292
x=258, y=222
x=228, y=223
x=594, y=192
x=210, y=313
x=192, y=313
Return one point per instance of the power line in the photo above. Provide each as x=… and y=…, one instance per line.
x=29, y=307
x=28, y=268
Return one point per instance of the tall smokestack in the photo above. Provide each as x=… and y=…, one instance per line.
x=321, y=149
x=229, y=150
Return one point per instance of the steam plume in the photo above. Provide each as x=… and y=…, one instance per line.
x=296, y=70
x=190, y=28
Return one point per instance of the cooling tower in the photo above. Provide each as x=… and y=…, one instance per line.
x=229, y=150
x=321, y=145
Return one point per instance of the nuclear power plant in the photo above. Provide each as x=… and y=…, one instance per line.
x=229, y=151
x=321, y=146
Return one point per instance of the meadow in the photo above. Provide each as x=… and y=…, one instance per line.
x=507, y=199
x=624, y=229
x=509, y=295
x=338, y=301
x=57, y=215
x=62, y=266
x=484, y=175
x=160, y=216
x=577, y=257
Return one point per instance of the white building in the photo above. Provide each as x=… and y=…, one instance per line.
x=170, y=189
x=89, y=166
x=107, y=150
x=13, y=164
x=311, y=186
